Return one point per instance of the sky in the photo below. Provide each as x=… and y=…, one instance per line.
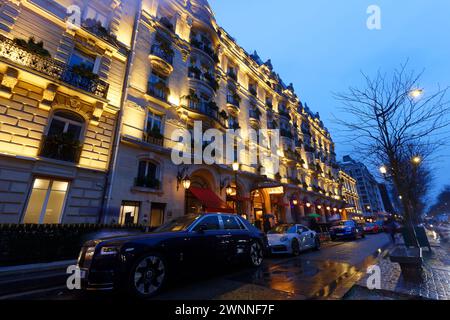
x=322, y=46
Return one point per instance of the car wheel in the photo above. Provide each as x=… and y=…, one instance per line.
x=256, y=254
x=148, y=276
x=295, y=247
x=317, y=244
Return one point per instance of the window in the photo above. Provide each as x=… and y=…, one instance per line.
x=157, y=85
x=46, y=201
x=79, y=58
x=211, y=223
x=148, y=175
x=62, y=141
x=230, y=223
x=129, y=213
x=154, y=123
x=93, y=14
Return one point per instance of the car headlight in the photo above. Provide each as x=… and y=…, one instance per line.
x=284, y=239
x=109, y=251
x=89, y=253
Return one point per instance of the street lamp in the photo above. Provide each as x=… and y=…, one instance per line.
x=416, y=160
x=229, y=190
x=295, y=202
x=235, y=166
x=416, y=93
x=383, y=170
x=186, y=183
x=308, y=205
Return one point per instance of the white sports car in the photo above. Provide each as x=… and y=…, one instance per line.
x=292, y=239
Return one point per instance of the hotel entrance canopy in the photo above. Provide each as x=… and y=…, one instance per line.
x=210, y=201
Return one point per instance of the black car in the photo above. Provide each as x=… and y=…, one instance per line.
x=142, y=264
x=346, y=229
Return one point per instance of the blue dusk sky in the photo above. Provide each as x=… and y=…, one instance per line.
x=321, y=46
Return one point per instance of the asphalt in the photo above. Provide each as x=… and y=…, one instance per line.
x=325, y=274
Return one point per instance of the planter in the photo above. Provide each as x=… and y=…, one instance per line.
x=410, y=260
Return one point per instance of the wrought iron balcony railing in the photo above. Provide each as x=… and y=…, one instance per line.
x=51, y=67
x=147, y=182
x=166, y=56
x=152, y=138
x=206, y=108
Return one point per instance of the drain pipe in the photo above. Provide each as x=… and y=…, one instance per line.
x=118, y=130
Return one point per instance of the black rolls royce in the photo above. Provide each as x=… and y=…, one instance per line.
x=142, y=264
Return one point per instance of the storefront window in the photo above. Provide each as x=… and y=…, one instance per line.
x=46, y=201
x=129, y=213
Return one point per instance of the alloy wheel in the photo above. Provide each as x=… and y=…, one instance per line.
x=149, y=275
x=256, y=254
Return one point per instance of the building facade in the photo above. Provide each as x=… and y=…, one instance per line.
x=349, y=194
x=367, y=186
x=60, y=94
x=87, y=116
x=186, y=68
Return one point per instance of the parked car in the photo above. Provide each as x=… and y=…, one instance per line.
x=142, y=264
x=292, y=239
x=346, y=229
x=372, y=227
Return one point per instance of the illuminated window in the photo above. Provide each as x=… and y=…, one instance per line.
x=46, y=201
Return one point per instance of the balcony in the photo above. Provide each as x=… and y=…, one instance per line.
x=209, y=109
x=205, y=77
x=60, y=147
x=161, y=58
x=154, y=138
x=205, y=48
x=286, y=133
x=233, y=102
x=95, y=27
x=158, y=90
x=284, y=113
x=52, y=68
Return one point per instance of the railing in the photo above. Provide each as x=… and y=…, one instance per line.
x=157, y=51
x=232, y=100
x=205, y=77
x=206, y=49
x=51, y=67
x=204, y=108
x=150, y=138
x=60, y=148
x=254, y=115
x=156, y=91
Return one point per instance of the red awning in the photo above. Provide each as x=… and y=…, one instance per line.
x=210, y=201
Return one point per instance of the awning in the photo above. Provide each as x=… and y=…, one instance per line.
x=210, y=201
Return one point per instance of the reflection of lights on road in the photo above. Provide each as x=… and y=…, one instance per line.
x=435, y=235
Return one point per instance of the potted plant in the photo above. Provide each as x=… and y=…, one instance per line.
x=192, y=96
x=32, y=46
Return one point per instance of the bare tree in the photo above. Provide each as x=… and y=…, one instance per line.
x=394, y=123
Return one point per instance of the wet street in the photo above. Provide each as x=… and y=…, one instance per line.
x=314, y=274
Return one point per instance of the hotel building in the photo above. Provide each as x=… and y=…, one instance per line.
x=87, y=116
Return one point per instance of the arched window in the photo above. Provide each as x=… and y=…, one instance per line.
x=64, y=133
x=148, y=175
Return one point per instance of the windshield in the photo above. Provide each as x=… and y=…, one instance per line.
x=343, y=223
x=281, y=229
x=178, y=224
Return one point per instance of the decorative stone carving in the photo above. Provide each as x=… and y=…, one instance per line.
x=8, y=82
x=48, y=96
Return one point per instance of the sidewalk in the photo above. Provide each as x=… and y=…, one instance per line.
x=435, y=286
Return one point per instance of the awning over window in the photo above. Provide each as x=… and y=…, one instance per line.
x=210, y=201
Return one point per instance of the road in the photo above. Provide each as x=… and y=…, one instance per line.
x=314, y=274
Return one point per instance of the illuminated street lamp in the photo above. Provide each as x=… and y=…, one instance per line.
x=295, y=202
x=308, y=205
x=416, y=160
x=236, y=169
x=229, y=190
x=186, y=183
x=235, y=166
x=383, y=170
x=416, y=93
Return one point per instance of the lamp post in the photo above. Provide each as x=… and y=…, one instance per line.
x=236, y=170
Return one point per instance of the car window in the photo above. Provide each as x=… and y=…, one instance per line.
x=302, y=229
x=210, y=222
x=230, y=223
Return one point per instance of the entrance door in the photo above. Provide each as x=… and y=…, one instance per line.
x=157, y=214
x=129, y=212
